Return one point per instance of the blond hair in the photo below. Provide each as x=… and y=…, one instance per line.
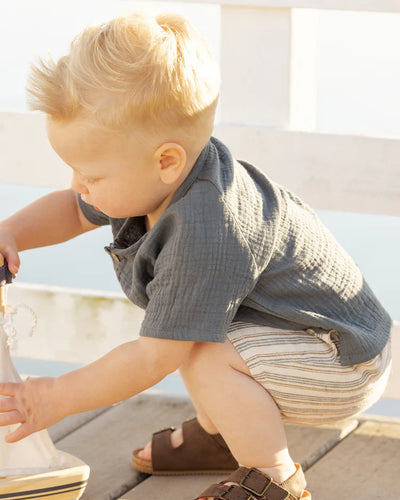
x=141, y=68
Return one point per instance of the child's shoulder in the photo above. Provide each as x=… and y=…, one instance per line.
x=220, y=179
x=223, y=201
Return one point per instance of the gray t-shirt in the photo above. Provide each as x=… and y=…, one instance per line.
x=235, y=246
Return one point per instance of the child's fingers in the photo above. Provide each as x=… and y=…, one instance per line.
x=7, y=404
x=20, y=432
x=13, y=260
x=8, y=388
x=10, y=418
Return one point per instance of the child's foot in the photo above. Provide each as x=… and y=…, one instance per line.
x=278, y=474
x=176, y=440
x=249, y=481
x=190, y=450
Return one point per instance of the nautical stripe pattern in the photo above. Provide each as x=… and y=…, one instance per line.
x=302, y=372
x=66, y=491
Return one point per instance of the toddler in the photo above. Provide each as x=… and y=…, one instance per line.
x=267, y=318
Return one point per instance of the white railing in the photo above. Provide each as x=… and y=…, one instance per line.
x=354, y=5
x=267, y=110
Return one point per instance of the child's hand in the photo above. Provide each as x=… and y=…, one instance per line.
x=8, y=250
x=33, y=403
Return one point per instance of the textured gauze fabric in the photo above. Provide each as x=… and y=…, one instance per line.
x=235, y=246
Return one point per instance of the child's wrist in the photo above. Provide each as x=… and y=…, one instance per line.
x=61, y=396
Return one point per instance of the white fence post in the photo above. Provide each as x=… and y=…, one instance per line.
x=268, y=62
x=255, y=66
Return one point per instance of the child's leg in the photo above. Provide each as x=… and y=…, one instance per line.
x=202, y=417
x=228, y=398
x=239, y=407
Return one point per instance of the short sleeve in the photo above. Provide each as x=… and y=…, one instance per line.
x=92, y=215
x=202, y=273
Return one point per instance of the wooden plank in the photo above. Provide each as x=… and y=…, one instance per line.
x=172, y=487
x=98, y=322
x=72, y=423
x=335, y=172
x=329, y=171
x=306, y=444
x=265, y=42
x=358, y=5
x=365, y=466
x=106, y=442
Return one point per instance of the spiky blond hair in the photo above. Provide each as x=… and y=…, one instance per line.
x=142, y=68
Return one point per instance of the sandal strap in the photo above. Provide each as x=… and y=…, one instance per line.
x=264, y=487
x=252, y=483
x=199, y=450
x=220, y=491
x=191, y=426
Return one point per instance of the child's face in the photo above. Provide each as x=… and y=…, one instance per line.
x=116, y=173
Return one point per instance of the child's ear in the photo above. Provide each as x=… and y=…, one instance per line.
x=171, y=160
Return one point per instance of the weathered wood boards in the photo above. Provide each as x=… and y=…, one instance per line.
x=307, y=445
x=106, y=442
x=341, y=461
x=365, y=466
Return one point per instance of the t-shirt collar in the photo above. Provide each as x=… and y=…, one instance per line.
x=193, y=174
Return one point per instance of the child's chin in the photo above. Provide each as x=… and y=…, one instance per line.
x=115, y=214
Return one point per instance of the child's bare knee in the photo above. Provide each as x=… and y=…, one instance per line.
x=211, y=356
x=202, y=355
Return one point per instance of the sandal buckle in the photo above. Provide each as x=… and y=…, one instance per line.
x=247, y=478
x=165, y=429
x=226, y=494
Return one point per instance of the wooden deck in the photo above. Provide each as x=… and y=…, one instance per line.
x=357, y=460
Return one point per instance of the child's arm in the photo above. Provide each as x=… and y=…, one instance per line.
x=51, y=219
x=125, y=371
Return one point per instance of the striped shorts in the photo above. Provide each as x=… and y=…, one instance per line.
x=302, y=372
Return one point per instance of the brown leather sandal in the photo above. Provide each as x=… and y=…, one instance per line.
x=200, y=453
x=252, y=484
